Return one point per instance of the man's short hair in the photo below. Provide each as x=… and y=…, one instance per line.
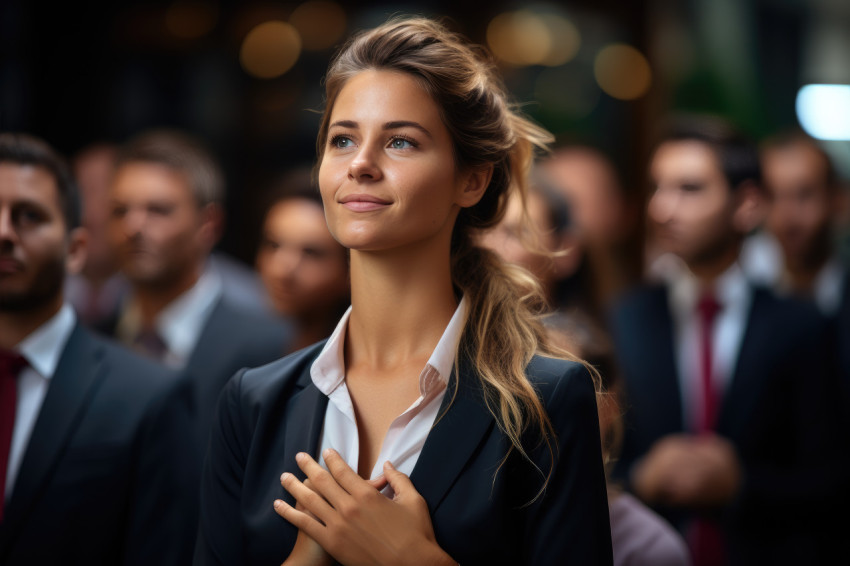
x=797, y=137
x=25, y=149
x=180, y=152
x=737, y=154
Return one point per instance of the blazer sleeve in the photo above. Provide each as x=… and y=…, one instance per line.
x=164, y=502
x=569, y=523
x=219, y=538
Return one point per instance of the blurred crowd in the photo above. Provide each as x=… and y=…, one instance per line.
x=716, y=310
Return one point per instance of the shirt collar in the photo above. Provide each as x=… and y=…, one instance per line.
x=731, y=289
x=828, y=286
x=43, y=347
x=328, y=370
x=180, y=323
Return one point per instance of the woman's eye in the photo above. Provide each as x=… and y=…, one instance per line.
x=341, y=142
x=401, y=143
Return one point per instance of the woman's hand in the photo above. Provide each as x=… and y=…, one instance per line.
x=307, y=552
x=354, y=522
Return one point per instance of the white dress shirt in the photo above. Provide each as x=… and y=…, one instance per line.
x=406, y=436
x=42, y=350
x=180, y=324
x=732, y=290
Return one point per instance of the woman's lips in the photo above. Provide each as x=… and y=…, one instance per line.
x=363, y=203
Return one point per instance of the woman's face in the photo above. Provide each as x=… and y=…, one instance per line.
x=304, y=270
x=388, y=177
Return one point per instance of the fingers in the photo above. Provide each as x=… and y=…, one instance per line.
x=398, y=481
x=299, y=519
x=379, y=482
x=344, y=475
x=320, y=480
x=312, y=502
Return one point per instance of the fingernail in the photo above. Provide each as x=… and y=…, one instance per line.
x=284, y=476
x=300, y=457
x=328, y=452
x=389, y=465
x=277, y=503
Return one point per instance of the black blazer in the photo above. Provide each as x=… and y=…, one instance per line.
x=778, y=413
x=232, y=339
x=266, y=415
x=108, y=475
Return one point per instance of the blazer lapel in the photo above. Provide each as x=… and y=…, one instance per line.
x=79, y=371
x=742, y=393
x=453, y=439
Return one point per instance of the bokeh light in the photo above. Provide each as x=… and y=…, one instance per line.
x=321, y=24
x=622, y=72
x=824, y=111
x=565, y=40
x=270, y=49
x=519, y=38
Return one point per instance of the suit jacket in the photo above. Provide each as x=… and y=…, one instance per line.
x=232, y=339
x=108, y=476
x=267, y=415
x=777, y=412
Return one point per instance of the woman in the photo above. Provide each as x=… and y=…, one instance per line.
x=429, y=389
x=304, y=270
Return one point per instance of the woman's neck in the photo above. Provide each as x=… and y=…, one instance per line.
x=401, y=305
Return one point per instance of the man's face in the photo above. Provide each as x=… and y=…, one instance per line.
x=801, y=202
x=156, y=227
x=693, y=207
x=34, y=243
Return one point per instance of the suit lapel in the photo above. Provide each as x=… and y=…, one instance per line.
x=453, y=439
x=78, y=373
x=742, y=393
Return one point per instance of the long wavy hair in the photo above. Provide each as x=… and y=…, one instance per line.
x=503, y=329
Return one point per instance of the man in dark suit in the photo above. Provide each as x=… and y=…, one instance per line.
x=805, y=196
x=727, y=412
x=804, y=202
x=166, y=217
x=97, y=458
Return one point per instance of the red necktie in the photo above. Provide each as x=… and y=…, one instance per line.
x=706, y=539
x=707, y=308
x=11, y=363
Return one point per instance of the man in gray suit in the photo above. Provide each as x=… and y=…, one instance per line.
x=166, y=215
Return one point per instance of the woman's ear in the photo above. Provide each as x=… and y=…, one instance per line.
x=473, y=185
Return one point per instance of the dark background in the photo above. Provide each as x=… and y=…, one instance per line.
x=76, y=73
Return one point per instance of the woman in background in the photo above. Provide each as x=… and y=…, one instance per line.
x=304, y=270
x=435, y=426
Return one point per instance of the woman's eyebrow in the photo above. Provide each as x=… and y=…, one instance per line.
x=393, y=125
x=397, y=124
x=351, y=124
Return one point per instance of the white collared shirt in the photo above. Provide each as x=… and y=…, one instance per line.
x=42, y=350
x=180, y=324
x=828, y=287
x=406, y=436
x=732, y=290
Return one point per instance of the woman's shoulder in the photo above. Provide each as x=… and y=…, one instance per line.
x=556, y=378
x=260, y=385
